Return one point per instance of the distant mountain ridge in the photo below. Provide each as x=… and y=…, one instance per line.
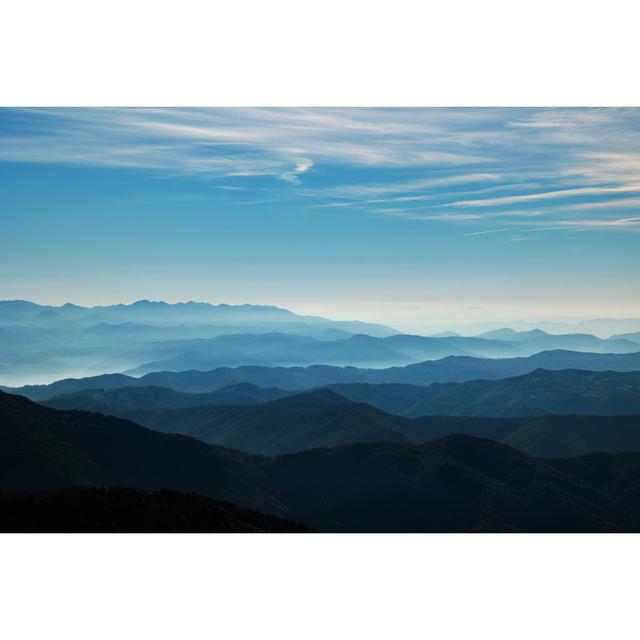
x=603, y=327
x=567, y=391
x=40, y=343
x=450, y=369
x=22, y=312
x=360, y=350
x=122, y=399
x=633, y=337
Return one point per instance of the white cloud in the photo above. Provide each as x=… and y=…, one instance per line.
x=481, y=233
x=619, y=203
x=561, y=152
x=620, y=222
x=452, y=217
x=548, y=195
x=368, y=190
x=302, y=166
x=239, y=141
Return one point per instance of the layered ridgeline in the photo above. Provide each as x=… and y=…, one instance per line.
x=323, y=418
x=456, y=483
x=540, y=392
x=145, y=313
x=39, y=343
x=567, y=391
x=47, y=342
x=450, y=369
x=357, y=350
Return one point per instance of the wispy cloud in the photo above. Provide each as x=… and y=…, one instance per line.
x=481, y=233
x=236, y=142
x=451, y=217
x=293, y=176
x=619, y=203
x=548, y=195
x=499, y=165
x=375, y=189
x=620, y=222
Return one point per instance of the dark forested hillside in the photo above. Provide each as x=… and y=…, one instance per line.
x=319, y=418
x=456, y=483
x=42, y=448
x=324, y=418
x=127, y=510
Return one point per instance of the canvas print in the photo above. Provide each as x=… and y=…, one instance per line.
x=319, y=320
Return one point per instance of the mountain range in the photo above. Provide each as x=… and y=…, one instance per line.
x=159, y=313
x=450, y=369
x=567, y=391
x=603, y=327
x=206, y=417
x=536, y=393
x=43, y=343
x=40, y=343
x=121, y=399
x=455, y=483
x=323, y=418
x=355, y=350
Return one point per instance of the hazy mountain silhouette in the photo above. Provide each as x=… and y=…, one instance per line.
x=603, y=327
x=119, y=400
x=43, y=342
x=633, y=337
x=540, y=392
x=450, y=369
x=538, y=340
x=356, y=350
x=457, y=483
x=282, y=350
x=21, y=312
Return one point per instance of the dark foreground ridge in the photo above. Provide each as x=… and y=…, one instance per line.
x=127, y=510
x=324, y=418
x=458, y=483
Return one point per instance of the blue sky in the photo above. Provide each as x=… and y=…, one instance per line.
x=415, y=217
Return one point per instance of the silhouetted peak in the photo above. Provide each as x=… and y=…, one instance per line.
x=148, y=303
x=311, y=400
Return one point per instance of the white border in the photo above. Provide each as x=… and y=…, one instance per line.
x=335, y=52
x=319, y=587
